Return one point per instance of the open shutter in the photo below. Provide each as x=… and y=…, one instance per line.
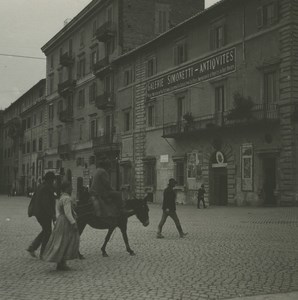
x=260, y=17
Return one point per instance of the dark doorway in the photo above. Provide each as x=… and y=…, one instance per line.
x=269, y=180
x=218, y=186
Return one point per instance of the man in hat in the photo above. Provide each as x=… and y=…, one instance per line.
x=43, y=208
x=169, y=209
x=201, y=193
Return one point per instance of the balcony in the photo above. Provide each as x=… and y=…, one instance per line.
x=260, y=114
x=102, y=67
x=106, y=143
x=66, y=59
x=66, y=87
x=64, y=151
x=105, y=101
x=106, y=31
x=66, y=116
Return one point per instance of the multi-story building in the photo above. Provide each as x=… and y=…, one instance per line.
x=33, y=126
x=22, y=140
x=2, y=187
x=11, y=139
x=80, y=84
x=214, y=101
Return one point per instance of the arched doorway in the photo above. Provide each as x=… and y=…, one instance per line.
x=218, y=179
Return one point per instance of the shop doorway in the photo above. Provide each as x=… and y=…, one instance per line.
x=269, y=180
x=218, y=186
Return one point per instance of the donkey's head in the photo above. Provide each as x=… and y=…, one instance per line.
x=141, y=209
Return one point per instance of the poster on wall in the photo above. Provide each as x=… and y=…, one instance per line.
x=194, y=165
x=247, y=167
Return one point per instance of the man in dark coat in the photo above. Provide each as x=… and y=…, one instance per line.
x=43, y=208
x=169, y=209
x=201, y=193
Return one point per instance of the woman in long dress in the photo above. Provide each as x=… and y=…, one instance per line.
x=63, y=244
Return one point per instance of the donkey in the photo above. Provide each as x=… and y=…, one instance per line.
x=87, y=216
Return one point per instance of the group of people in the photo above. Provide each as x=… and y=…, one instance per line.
x=62, y=243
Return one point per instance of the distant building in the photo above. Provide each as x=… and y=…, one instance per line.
x=22, y=140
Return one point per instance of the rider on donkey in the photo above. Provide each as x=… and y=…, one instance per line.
x=106, y=201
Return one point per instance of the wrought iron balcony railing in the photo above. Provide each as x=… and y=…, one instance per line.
x=106, y=142
x=105, y=101
x=66, y=87
x=66, y=59
x=259, y=113
x=66, y=116
x=101, y=67
x=106, y=31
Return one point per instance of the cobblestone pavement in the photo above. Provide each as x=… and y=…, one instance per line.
x=228, y=253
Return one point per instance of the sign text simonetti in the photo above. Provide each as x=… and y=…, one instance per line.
x=205, y=69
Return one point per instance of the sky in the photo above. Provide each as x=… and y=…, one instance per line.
x=25, y=26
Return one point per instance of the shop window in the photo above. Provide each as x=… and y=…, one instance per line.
x=180, y=172
x=149, y=172
x=126, y=173
x=267, y=14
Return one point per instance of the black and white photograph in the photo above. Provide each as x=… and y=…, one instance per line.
x=149, y=150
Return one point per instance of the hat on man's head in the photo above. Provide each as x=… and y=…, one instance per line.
x=50, y=176
x=172, y=180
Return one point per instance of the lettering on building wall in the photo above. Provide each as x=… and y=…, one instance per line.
x=203, y=70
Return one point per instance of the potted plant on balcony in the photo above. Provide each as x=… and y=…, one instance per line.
x=189, y=121
x=242, y=108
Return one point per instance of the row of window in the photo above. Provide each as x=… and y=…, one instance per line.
x=36, y=169
x=26, y=147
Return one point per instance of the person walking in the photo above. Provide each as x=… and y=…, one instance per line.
x=42, y=206
x=169, y=209
x=64, y=241
x=201, y=193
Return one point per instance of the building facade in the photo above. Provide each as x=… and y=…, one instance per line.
x=81, y=119
x=22, y=140
x=214, y=101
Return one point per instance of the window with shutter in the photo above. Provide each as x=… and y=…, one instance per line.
x=267, y=14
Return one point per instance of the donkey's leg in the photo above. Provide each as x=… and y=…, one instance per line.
x=107, y=238
x=81, y=227
x=123, y=229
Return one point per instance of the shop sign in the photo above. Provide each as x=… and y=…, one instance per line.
x=246, y=167
x=219, y=64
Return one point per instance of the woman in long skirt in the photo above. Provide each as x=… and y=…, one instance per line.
x=63, y=244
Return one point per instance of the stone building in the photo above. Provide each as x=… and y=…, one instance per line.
x=81, y=117
x=22, y=140
x=214, y=101
x=2, y=187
